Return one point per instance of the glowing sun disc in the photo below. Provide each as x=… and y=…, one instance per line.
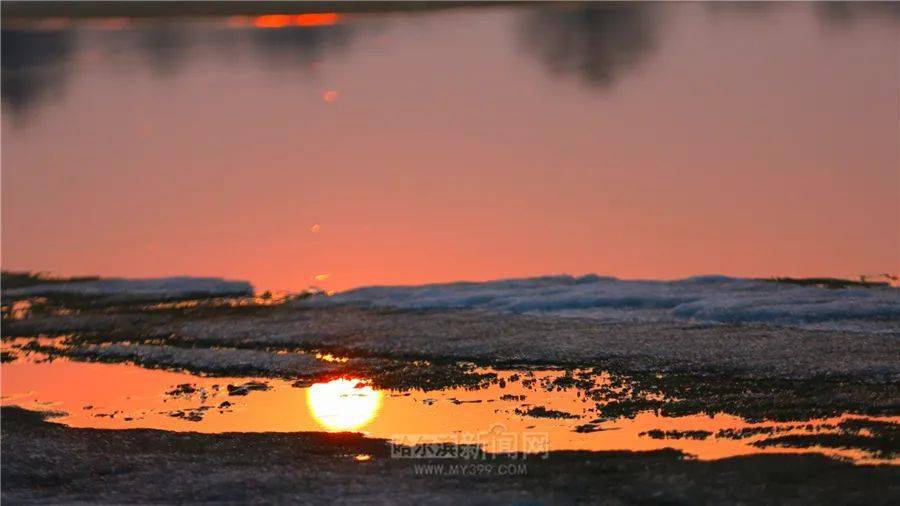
x=340, y=405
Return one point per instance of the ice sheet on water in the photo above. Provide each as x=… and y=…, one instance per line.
x=718, y=299
x=152, y=288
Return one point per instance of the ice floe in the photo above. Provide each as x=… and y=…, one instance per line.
x=152, y=288
x=717, y=299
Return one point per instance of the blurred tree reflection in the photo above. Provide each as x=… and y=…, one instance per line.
x=35, y=65
x=595, y=42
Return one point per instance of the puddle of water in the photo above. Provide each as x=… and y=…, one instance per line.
x=119, y=396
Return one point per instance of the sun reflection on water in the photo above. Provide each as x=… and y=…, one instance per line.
x=343, y=404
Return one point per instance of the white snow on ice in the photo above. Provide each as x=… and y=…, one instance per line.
x=716, y=299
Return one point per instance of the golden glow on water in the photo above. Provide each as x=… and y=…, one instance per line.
x=283, y=20
x=122, y=396
x=343, y=404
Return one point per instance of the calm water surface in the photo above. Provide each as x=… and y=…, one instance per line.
x=654, y=141
x=127, y=396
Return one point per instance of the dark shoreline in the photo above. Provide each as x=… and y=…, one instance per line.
x=46, y=462
x=156, y=9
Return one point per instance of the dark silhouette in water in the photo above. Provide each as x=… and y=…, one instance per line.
x=299, y=46
x=165, y=47
x=35, y=65
x=846, y=14
x=597, y=42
